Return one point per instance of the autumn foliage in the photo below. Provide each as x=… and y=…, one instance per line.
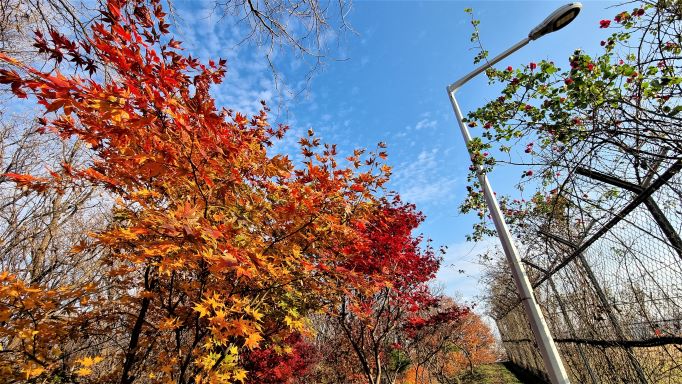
x=217, y=254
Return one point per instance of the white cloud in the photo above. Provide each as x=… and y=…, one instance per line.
x=425, y=123
x=419, y=181
x=425, y=193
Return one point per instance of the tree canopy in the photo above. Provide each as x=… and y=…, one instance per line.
x=616, y=112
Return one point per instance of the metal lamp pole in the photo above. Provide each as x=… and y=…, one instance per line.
x=555, y=368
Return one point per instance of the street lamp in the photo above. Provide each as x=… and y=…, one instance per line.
x=555, y=368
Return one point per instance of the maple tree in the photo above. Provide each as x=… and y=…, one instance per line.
x=369, y=335
x=473, y=345
x=447, y=345
x=369, y=320
x=440, y=342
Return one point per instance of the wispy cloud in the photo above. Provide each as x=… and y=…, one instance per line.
x=420, y=180
x=425, y=123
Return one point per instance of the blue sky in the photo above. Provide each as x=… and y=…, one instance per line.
x=391, y=87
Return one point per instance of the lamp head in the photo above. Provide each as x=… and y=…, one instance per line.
x=556, y=20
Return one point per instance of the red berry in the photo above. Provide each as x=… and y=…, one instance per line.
x=509, y=68
x=568, y=81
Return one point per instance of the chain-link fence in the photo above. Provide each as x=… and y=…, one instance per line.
x=608, y=276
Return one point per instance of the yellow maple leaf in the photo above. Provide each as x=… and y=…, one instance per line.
x=240, y=375
x=117, y=115
x=169, y=324
x=125, y=234
x=89, y=361
x=219, y=318
x=32, y=370
x=215, y=301
x=26, y=334
x=242, y=327
x=257, y=316
x=95, y=103
x=83, y=371
x=203, y=311
x=253, y=341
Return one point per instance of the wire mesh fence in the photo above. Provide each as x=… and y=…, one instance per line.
x=608, y=276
